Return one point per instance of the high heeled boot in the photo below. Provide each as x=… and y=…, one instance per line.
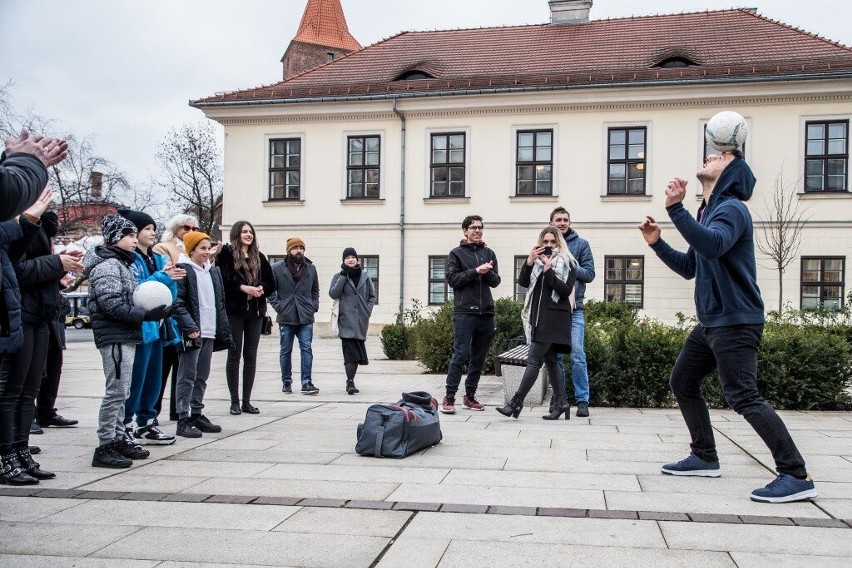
x=513, y=407
x=560, y=407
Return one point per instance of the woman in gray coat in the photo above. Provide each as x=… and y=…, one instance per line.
x=357, y=296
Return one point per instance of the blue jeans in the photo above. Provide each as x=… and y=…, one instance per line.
x=733, y=350
x=579, y=368
x=472, y=335
x=305, y=334
x=146, y=382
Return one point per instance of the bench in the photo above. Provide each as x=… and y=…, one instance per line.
x=511, y=366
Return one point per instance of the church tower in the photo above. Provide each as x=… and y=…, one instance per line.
x=323, y=36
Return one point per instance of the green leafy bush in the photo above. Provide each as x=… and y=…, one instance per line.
x=395, y=341
x=433, y=339
x=510, y=330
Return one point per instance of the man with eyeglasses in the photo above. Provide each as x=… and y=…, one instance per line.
x=471, y=272
x=730, y=323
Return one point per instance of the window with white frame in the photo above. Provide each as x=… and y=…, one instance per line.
x=626, y=160
x=534, y=163
x=826, y=155
x=447, y=165
x=439, y=290
x=285, y=169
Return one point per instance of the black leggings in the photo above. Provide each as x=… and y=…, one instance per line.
x=245, y=331
x=20, y=377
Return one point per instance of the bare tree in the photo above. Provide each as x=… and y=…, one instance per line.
x=781, y=238
x=191, y=158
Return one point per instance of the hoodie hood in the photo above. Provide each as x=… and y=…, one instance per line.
x=98, y=255
x=737, y=181
x=184, y=259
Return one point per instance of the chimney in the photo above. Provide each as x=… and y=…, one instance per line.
x=569, y=11
x=96, y=184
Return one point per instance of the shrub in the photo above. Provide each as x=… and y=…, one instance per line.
x=432, y=338
x=395, y=341
x=510, y=330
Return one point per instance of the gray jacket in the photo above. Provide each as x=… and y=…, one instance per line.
x=111, y=285
x=356, y=305
x=295, y=302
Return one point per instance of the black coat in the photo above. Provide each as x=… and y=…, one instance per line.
x=187, y=312
x=236, y=301
x=38, y=272
x=22, y=178
x=472, y=290
x=550, y=321
x=11, y=330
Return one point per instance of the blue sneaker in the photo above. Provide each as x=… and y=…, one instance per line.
x=693, y=465
x=784, y=489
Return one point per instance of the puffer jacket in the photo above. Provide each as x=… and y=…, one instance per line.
x=356, y=304
x=580, y=249
x=472, y=290
x=11, y=329
x=151, y=329
x=22, y=178
x=111, y=284
x=187, y=312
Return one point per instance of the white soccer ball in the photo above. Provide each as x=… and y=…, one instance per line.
x=152, y=294
x=726, y=131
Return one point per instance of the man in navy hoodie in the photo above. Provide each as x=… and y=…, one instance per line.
x=730, y=323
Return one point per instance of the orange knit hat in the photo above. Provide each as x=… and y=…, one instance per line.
x=191, y=240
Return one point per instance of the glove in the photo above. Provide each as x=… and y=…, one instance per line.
x=158, y=313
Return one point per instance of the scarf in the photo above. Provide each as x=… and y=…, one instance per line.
x=296, y=268
x=353, y=272
x=128, y=257
x=561, y=265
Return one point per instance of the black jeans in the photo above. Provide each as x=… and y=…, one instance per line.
x=170, y=368
x=542, y=354
x=20, y=377
x=245, y=331
x=49, y=391
x=733, y=350
x=472, y=335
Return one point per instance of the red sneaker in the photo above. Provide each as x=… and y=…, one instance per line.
x=449, y=405
x=471, y=403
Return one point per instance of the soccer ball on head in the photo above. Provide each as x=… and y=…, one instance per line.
x=152, y=294
x=726, y=131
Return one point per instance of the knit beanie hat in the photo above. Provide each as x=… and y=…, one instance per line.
x=293, y=242
x=114, y=227
x=349, y=251
x=191, y=240
x=138, y=218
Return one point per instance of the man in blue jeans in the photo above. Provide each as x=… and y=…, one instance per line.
x=580, y=249
x=296, y=300
x=730, y=323
x=471, y=273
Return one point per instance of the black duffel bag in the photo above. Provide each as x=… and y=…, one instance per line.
x=399, y=430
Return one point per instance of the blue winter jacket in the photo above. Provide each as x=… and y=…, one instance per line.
x=580, y=249
x=151, y=329
x=721, y=252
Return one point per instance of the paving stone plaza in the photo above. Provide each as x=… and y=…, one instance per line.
x=286, y=488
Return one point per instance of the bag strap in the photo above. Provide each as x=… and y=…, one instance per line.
x=377, y=451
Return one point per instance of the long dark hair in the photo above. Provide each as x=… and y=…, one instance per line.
x=249, y=265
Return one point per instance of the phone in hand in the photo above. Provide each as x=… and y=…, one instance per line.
x=548, y=251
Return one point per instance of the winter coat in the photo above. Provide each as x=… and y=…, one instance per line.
x=38, y=272
x=471, y=290
x=550, y=321
x=22, y=178
x=115, y=319
x=721, y=252
x=11, y=328
x=237, y=302
x=140, y=268
x=580, y=249
x=356, y=304
x=295, y=302
x=187, y=312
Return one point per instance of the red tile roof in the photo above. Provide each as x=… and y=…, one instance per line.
x=324, y=23
x=726, y=45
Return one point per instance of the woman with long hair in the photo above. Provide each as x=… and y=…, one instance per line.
x=354, y=290
x=247, y=276
x=548, y=274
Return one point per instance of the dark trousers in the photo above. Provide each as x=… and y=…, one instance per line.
x=170, y=368
x=245, y=331
x=49, y=390
x=733, y=350
x=20, y=378
x=472, y=335
x=542, y=354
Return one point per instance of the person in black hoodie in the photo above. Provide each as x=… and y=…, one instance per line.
x=471, y=272
x=247, y=277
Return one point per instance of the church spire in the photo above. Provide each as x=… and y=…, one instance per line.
x=323, y=36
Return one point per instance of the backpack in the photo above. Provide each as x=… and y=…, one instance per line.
x=399, y=430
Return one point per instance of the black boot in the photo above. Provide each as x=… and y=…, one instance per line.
x=235, y=407
x=13, y=473
x=350, y=387
x=33, y=467
x=107, y=456
x=513, y=407
x=560, y=407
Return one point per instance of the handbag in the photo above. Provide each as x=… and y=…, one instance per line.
x=266, y=326
x=335, y=312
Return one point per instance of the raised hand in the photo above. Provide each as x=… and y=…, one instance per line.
x=50, y=151
x=41, y=204
x=650, y=230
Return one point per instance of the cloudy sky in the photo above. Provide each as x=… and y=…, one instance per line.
x=123, y=70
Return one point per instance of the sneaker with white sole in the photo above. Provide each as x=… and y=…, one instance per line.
x=448, y=406
x=692, y=465
x=784, y=489
x=151, y=435
x=470, y=403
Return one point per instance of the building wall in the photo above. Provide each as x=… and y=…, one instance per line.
x=674, y=117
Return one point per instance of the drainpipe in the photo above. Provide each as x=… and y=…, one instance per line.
x=401, y=208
